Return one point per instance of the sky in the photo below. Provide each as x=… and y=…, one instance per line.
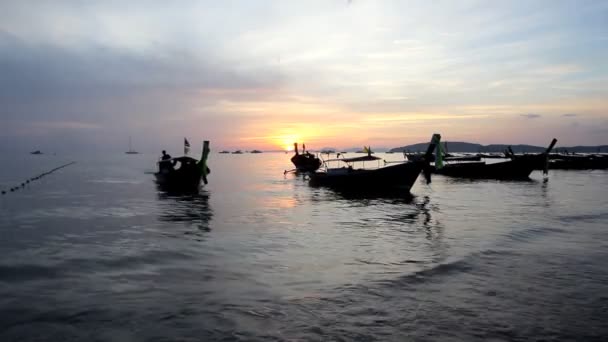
x=332, y=73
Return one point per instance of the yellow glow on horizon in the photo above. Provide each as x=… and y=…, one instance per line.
x=325, y=125
x=285, y=141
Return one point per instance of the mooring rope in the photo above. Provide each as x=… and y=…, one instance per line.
x=35, y=178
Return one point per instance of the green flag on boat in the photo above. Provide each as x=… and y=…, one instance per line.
x=202, y=164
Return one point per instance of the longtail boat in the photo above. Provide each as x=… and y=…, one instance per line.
x=398, y=177
x=578, y=162
x=517, y=167
x=185, y=177
x=305, y=161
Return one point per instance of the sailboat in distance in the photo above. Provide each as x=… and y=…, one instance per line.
x=131, y=151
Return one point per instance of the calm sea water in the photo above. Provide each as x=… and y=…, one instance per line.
x=94, y=252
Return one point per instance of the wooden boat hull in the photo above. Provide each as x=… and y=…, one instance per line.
x=400, y=177
x=306, y=162
x=178, y=181
x=512, y=169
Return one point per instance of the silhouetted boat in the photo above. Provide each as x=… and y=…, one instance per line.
x=305, y=162
x=36, y=152
x=256, y=151
x=398, y=177
x=578, y=162
x=518, y=167
x=188, y=174
x=224, y=152
x=131, y=151
x=237, y=152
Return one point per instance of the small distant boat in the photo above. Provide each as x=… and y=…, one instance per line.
x=518, y=167
x=131, y=151
x=366, y=150
x=187, y=176
x=256, y=151
x=398, y=177
x=36, y=152
x=305, y=161
x=237, y=152
x=224, y=152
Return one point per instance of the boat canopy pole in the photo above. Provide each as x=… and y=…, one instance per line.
x=295, y=145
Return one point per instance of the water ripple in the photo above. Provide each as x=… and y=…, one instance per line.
x=101, y=254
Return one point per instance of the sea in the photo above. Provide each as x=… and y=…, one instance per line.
x=95, y=252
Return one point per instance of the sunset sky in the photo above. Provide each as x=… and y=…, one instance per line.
x=261, y=74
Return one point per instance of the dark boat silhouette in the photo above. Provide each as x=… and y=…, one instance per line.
x=183, y=174
x=398, y=177
x=36, y=152
x=305, y=161
x=517, y=167
x=578, y=162
x=131, y=151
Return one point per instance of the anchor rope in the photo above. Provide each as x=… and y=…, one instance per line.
x=35, y=178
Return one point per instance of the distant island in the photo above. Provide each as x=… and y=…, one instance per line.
x=466, y=147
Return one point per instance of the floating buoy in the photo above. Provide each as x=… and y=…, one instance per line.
x=22, y=185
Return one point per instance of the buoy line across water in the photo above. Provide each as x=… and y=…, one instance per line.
x=35, y=178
